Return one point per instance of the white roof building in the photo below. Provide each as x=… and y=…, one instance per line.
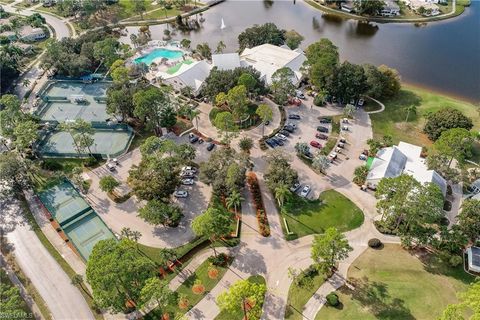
x=268, y=58
x=403, y=159
x=189, y=75
x=226, y=61
x=27, y=33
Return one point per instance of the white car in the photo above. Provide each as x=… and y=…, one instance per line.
x=111, y=166
x=305, y=191
x=281, y=137
x=361, y=102
x=191, y=169
x=180, y=194
x=299, y=94
x=295, y=187
x=187, y=182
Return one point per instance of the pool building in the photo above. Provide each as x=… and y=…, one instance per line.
x=83, y=227
x=64, y=101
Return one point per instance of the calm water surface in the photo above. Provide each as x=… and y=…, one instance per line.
x=444, y=56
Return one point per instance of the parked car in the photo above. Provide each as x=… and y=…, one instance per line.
x=200, y=141
x=341, y=145
x=210, y=146
x=325, y=120
x=361, y=102
x=299, y=94
x=180, y=194
x=332, y=156
x=322, y=129
x=322, y=136
x=272, y=143
x=189, y=168
x=305, y=191
x=345, y=120
x=315, y=144
x=294, y=116
x=308, y=155
x=193, y=139
x=187, y=182
x=267, y=123
x=345, y=128
x=111, y=166
x=362, y=157
x=284, y=132
x=278, y=141
x=289, y=128
x=343, y=140
x=295, y=187
x=281, y=137
x=293, y=125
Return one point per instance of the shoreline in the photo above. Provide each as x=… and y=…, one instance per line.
x=347, y=15
x=417, y=86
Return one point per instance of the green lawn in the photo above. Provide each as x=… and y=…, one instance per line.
x=186, y=290
x=393, y=284
x=331, y=209
x=392, y=120
x=223, y=315
x=299, y=294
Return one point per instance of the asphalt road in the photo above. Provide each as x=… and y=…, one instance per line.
x=60, y=27
x=63, y=299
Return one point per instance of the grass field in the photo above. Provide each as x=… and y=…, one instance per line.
x=332, y=209
x=392, y=120
x=185, y=290
x=239, y=314
x=393, y=284
x=298, y=295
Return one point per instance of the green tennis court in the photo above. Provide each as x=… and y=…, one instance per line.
x=70, y=100
x=78, y=220
x=112, y=142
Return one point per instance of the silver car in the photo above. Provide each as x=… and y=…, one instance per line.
x=180, y=194
x=305, y=191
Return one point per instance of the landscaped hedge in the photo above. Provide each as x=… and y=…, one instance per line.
x=283, y=119
x=258, y=201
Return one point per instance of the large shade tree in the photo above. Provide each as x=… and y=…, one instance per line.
x=117, y=273
x=213, y=224
x=329, y=248
x=244, y=295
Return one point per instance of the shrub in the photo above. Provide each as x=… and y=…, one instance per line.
x=51, y=165
x=447, y=205
x=219, y=260
x=318, y=100
x=90, y=162
x=374, y=243
x=332, y=299
x=258, y=201
x=455, y=260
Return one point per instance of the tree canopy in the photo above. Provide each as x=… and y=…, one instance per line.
x=157, y=212
x=117, y=273
x=329, y=248
x=444, y=119
x=261, y=34
x=241, y=293
x=282, y=86
x=322, y=59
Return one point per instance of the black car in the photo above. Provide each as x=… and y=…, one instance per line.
x=210, y=146
x=267, y=123
x=271, y=143
x=193, y=139
x=200, y=141
x=322, y=129
x=284, y=132
x=278, y=141
x=289, y=129
x=294, y=116
x=325, y=120
x=308, y=155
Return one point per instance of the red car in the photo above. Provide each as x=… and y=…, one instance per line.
x=315, y=144
x=321, y=136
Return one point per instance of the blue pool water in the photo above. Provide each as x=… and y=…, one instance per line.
x=159, y=53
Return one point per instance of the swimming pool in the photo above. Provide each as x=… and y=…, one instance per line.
x=159, y=53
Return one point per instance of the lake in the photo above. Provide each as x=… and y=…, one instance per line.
x=443, y=56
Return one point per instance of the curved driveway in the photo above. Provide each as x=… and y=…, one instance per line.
x=60, y=27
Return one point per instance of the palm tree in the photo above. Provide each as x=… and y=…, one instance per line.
x=234, y=200
x=282, y=193
x=26, y=82
x=193, y=114
x=220, y=47
x=410, y=109
x=77, y=280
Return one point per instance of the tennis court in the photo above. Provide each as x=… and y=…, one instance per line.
x=70, y=100
x=107, y=142
x=78, y=220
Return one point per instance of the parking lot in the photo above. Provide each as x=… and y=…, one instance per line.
x=120, y=215
x=341, y=170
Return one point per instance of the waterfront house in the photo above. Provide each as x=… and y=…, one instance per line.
x=403, y=159
x=188, y=75
x=268, y=58
x=390, y=9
